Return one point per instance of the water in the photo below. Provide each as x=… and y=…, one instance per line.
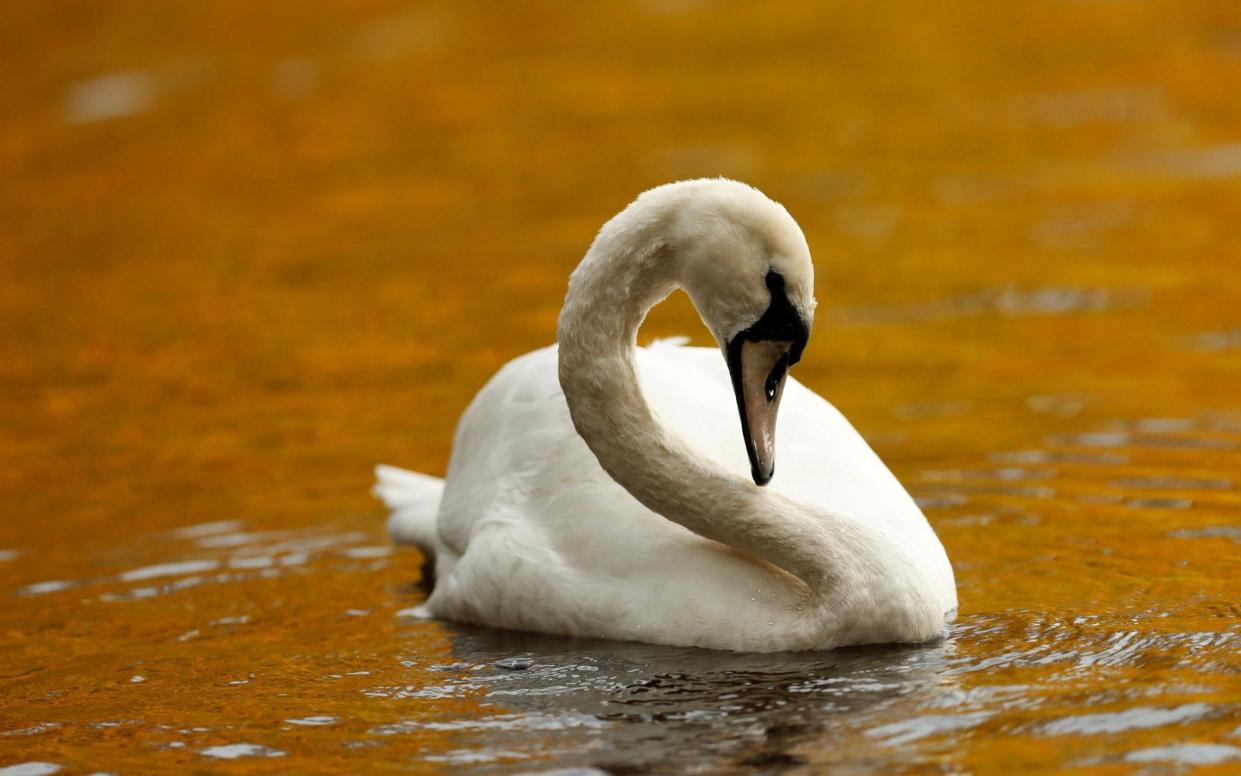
x=248, y=252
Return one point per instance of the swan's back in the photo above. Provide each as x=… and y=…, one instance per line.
x=821, y=458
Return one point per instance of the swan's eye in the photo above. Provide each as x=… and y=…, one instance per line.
x=777, y=374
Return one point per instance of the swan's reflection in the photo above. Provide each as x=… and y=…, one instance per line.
x=639, y=708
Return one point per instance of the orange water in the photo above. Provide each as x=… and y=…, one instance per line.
x=249, y=249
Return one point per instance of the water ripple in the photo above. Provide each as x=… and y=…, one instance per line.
x=1130, y=719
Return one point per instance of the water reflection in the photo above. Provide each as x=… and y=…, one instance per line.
x=236, y=751
x=110, y=96
x=1186, y=754
x=636, y=708
x=633, y=708
x=33, y=768
x=1138, y=718
x=247, y=555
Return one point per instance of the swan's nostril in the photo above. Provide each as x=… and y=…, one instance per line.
x=772, y=387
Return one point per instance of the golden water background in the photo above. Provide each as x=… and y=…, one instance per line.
x=250, y=249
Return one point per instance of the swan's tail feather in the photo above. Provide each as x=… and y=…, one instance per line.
x=414, y=500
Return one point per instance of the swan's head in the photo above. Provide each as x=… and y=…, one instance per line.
x=745, y=264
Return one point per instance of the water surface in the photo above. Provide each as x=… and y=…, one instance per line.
x=247, y=251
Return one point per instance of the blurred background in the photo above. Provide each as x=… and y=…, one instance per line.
x=249, y=250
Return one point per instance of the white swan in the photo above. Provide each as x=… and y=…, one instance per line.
x=598, y=489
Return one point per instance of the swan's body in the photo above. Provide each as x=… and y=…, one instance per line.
x=628, y=515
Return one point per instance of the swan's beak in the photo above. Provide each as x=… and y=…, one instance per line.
x=758, y=369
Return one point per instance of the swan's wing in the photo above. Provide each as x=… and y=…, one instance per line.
x=821, y=458
x=829, y=463
x=502, y=444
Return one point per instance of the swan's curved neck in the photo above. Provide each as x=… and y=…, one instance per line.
x=609, y=296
